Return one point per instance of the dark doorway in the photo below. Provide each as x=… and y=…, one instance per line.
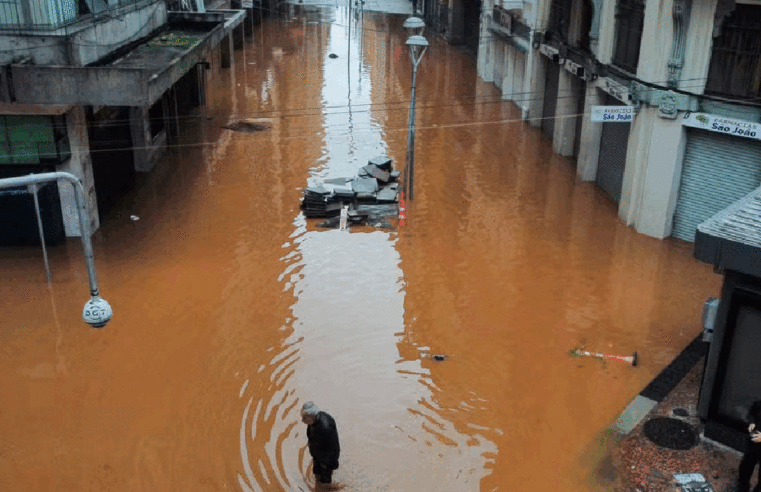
x=472, y=25
x=18, y=219
x=112, y=155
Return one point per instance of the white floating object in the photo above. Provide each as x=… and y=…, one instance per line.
x=97, y=312
x=134, y=218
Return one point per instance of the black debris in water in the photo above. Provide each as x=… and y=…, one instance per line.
x=439, y=357
x=333, y=55
x=670, y=433
x=248, y=126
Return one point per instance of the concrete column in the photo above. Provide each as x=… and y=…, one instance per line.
x=485, y=61
x=591, y=135
x=655, y=48
x=565, y=125
x=536, y=83
x=606, y=34
x=226, y=50
x=699, y=46
x=141, y=137
x=147, y=148
x=508, y=74
x=80, y=165
x=653, y=173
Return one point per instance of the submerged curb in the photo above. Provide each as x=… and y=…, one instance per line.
x=661, y=386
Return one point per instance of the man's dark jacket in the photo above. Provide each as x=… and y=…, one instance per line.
x=323, y=441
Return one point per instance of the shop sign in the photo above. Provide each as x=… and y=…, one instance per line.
x=612, y=114
x=720, y=124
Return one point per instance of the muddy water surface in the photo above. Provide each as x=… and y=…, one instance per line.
x=231, y=310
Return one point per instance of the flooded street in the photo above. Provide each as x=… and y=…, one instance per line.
x=231, y=309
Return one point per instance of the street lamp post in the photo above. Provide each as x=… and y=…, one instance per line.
x=417, y=44
x=97, y=312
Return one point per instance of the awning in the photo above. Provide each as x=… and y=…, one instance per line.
x=731, y=239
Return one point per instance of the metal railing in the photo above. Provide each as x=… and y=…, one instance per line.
x=735, y=68
x=47, y=15
x=630, y=22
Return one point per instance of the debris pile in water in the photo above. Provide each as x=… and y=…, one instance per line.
x=370, y=196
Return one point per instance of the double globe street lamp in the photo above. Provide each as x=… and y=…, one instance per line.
x=418, y=45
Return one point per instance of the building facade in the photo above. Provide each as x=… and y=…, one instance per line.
x=95, y=88
x=689, y=71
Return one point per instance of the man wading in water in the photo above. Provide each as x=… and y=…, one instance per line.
x=323, y=441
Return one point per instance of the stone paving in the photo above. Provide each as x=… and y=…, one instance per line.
x=642, y=466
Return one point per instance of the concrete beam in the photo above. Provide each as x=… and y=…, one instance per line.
x=77, y=86
x=103, y=86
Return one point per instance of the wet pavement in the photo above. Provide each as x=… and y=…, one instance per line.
x=636, y=463
x=231, y=309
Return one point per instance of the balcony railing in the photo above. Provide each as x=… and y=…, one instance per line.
x=630, y=22
x=735, y=68
x=46, y=15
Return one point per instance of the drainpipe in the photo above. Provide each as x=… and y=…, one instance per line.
x=97, y=312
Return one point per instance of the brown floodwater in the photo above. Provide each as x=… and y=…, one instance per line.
x=231, y=309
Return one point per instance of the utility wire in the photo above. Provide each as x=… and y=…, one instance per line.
x=253, y=138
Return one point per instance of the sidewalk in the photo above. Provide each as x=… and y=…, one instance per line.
x=642, y=465
x=387, y=6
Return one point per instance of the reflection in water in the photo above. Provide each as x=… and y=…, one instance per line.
x=347, y=322
x=231, y=310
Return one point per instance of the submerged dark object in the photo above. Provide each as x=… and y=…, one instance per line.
x=670, y=433
x=333, y=55
x=247, y=125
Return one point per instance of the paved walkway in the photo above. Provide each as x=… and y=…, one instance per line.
x=388, y=6
x=639, y=464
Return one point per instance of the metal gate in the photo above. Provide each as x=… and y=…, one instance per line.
x=612, y=160
x=550, y=98
x=718, y=170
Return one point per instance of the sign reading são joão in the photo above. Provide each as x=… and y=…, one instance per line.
x=720, y=124
x=612, y=114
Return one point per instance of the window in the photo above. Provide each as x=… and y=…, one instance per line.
x=33, y=140
x=560, y=15
x=630, y=19
x=735, y=68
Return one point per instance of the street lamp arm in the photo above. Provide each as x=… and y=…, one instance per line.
x=97, y=310
x=79, y=197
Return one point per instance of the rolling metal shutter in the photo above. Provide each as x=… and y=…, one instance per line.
x=718, y=170
x=550, y=98
x=612, y=160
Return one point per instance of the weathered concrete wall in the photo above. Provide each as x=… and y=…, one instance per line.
x=80, y=165
x=85, y=42
x=102, y=38
x=48, y=50
x=106, y=86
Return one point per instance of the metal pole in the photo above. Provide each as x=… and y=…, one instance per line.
x=33, y=189
x=79, y=197
x=410, y=167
